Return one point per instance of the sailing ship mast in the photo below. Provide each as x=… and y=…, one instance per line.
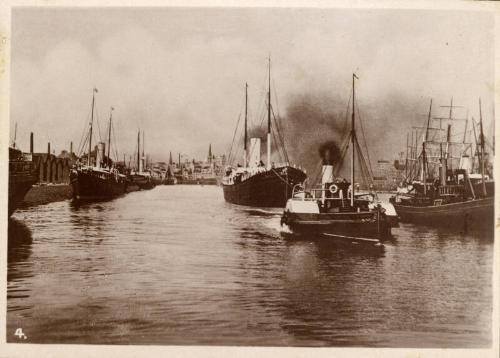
x=109, y=136
x=246, y=113
x=91, y=124
x=353, y=139
x=481, y=138
x=138, y=150
x=269, y=119
x=424, y=155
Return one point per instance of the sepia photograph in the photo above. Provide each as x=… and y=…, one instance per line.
x=250, y=175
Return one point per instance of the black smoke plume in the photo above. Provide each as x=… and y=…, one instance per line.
x=329, y=152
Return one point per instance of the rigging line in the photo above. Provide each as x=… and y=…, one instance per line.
x=280, y=136
x=234, y=135
x=364, y=139
x=364, y=168
x=113, y=136
x=277, y=147
x=238, y=152
x=84, y=132
x=343, y=152
x=346, y=121
x=278, y=144
x=317, y=171
x=278, y=121
x=80, y=150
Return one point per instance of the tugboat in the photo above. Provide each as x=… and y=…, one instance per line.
x=335, y=210
x=458, y=197
x=256, y=184
x=98, y=180
x=21, y=177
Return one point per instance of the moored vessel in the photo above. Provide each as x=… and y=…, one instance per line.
x=21, y=177
x=99, y=179
x=457, y=197
x=140, y=177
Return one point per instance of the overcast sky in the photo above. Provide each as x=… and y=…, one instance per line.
x=179, y=74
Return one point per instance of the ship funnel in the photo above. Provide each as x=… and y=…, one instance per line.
x=141, y=165
x=327, y=174
x=254, y=157
x=100, y=154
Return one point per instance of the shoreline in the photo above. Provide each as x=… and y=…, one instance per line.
x=45, y=194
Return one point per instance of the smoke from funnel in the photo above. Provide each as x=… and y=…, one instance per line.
x=329, y=153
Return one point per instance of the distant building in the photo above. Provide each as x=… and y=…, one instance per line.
x=387, y=175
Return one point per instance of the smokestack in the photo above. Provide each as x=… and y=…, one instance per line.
x=48, y=148
x=100, y=154
x=31, y=142
x=71, y=148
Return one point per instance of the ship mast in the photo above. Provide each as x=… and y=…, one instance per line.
x=269, y=118
x=138, y=149
x=353, y=140
x=91, y=123
x=246, y=113
x=15, y=136
x=481, y=138
x=424, y=155
x=109, y=135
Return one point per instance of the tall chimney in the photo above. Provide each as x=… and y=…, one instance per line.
x=31, y=142
x=48, y=148
x=71, y=148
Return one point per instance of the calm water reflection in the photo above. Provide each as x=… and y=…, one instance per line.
x=178, y=265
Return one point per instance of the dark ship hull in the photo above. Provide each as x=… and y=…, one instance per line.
x=478, y=213
x=271, y=188
x=143, y=182
x=342, y=225
x=350, y=225
x=96, y=185
x=21, y=178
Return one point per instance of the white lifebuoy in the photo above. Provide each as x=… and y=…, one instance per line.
x=333, y=188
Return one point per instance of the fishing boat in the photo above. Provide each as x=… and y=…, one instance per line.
x=336, y=210
x=99, y=179
x=21, y=177
x=256, y=184
x=458, y=197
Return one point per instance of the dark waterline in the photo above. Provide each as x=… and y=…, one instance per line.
x=177, y=265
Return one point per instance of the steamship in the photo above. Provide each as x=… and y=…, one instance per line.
x=254, y=183
x=21, y=177
x=140, y=177
x=99, y=179
x=457, y=197
x=334, y=209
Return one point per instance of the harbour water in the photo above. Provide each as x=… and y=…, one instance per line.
x=177, y=265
